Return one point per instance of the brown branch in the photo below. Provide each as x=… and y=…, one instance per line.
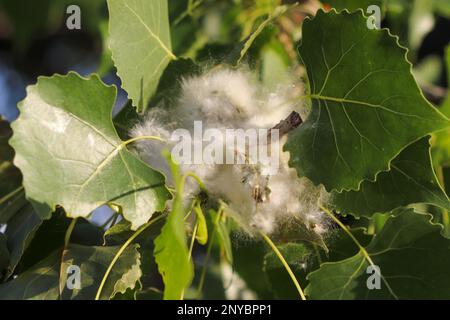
x=288, y=124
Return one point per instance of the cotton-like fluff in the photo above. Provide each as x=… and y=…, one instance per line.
x=290, y=197
x=224, y=98
x=155, y=123
x=220, y=98
x=277, y=105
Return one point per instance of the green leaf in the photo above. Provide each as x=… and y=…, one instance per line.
x=93, y=262
x=10, y=177
x=411, y=180
x=248, y=262
x=19, y=232
x=125, y=120
x=12, y=197
x=40, y=243
x=202, y=230
x=70, y=154
x=343, y=247
x=352, y=5
x=366, y=107
x=106, y=63
x=42, y=281
x=414, y=262
x=442, y=7
x=4, y=255
x=38, y=283
x=169, y=86
x=140, y=45
x=118, y=234
x=11, y=203
x=30, y=239
x=223, y=234
x=296, y=255
x=293, y=253
x=446, y=105
x=171, y=251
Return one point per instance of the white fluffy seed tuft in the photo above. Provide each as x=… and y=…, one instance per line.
x=224, y=98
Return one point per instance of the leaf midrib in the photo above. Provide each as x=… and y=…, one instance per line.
x=152, y=34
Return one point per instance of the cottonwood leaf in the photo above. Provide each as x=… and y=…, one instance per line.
x=343, y=247
x=170, y=84
x=202, y=226
x=248, y=264
x=139, y=39
x=4, y=255
x=38, y=283
x=414, y=262
x=70, y=154
x=12, y=197
x=11, y=203
x=20, y=232
x=366, y=105
x=42, y=281
x=30, y=239
x=223, y=234
x=10, y=177
x=118, y=233
x=171, y=251
x=297, y=256
x=352, y=5
x=93, y=262
x=411, y=180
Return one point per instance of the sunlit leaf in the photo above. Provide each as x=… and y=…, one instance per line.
x=140, y=45
x=366, y=108
x=70, y=154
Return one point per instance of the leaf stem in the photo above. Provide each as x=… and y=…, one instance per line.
x=156, y=138
x=69, y=232
x=279, y=11
x=205, y=264
x=208, y=253
x=188, y=12
x=67, y=236
x=196, y=178
x=285, y=264
x=191, y=246
x=122, y=249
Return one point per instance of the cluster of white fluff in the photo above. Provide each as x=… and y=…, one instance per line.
x=223, y=98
